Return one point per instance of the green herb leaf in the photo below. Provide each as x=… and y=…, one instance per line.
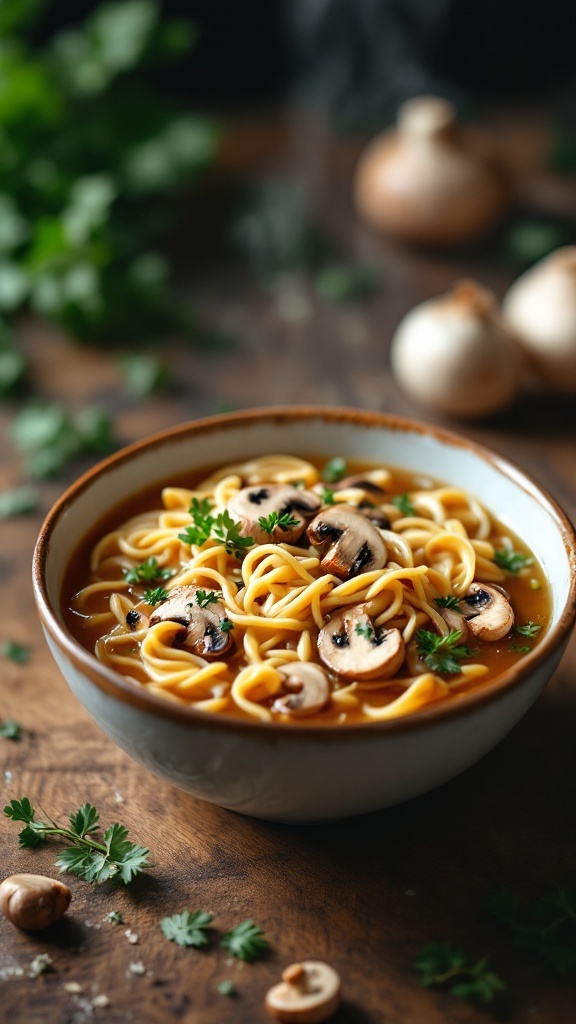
x=147, y=571
x=246, y=941
x=188, y=929
x=10, y=730
x=204, y=598
x=227, y=531
x=404, y=505
x=442, y=654
x=511, y=561
x=20, y=810
x=85, y=820
x=528, y=629
x=202, y=520
x=441, y=965
x=545, y=927
x=451, y=601
x=156, y=595
x=15, y=652
x=334, y=470
x=364, y=629
x=280, y=520
x=115, y=917
x=340, y=283
x=144, y=375
x=327, y=496
x=226, y=625
x=227, y=988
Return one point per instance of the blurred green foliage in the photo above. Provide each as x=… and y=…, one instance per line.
x=90, y=157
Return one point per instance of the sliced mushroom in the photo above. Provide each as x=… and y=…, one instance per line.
x=309, y=686
x=135, y=620
x=348, y=543
x=489, y=614
x=375, y=515
x=455, y=619
x=202, y=631
x=260, y=501
x=309, y=993
x=354, y=648
x=359, y=481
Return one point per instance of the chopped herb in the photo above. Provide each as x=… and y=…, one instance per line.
x=282, y=520
x=442, y=653
x=511, y=561
x=10, y=730
x=334, y=470
x=227, y=531
x=365, y=630
x=207, y=597
x=246, y=941
x=227, y=988
x=18, y=502
x=404, y=505
x=529, y=629
x=545, y=928
x=115, y=917
x=226, y=625
x=327, y=496
x=441, y=965
x=221, y=528
x=525, y=649
x=113, y=857
x=16, y=652
x=202, y=520
x=187, y=929
x=147, y=572
x=41, y=964
x=156, y=596
x=451, y=601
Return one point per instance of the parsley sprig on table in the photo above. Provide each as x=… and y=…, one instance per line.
x=442, y=654
x=441, y=965
x=282, y=520
x=246, y=941
x=147, y=572
x=188, y=929
x=10, y=730
x=93, y=860
x=545, y=927
x=221, y=528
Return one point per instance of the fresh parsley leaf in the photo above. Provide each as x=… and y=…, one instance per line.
x=202, y=523
x=404, y=505
x=544, y=927
x=18, y=502
x=528, y=629
x=516, y=649
x=441, y=965
x=282, y=520
x=92, y=860
x=451, y=601
x=147, y=572
x=327, y=496
x=227, y=988
x=187, y=929
x=364, y=629
x=10, y=730
x=442, y=653
x=156, y=595
x=226, y=625
x=334, y=470
x=246, y=941
x=511, y=561
x=16, y=652
x=204, y=598
x=227, y=531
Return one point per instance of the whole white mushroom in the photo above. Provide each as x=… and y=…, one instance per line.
x=454, y=354
x=540, y=307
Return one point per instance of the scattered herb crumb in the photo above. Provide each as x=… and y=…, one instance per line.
x=246, y=941
x=282, y=520
x=404, y=505
x=227, y=988
x=511, y=561
x=147, y=572
x=10, y=730
x=115, y=917
x=41, y=964
x=442, y=654
x=15, y=651
x=327, y=496
x=443, y=966
x=188, y=929
x=529, y=629
x=156, y=595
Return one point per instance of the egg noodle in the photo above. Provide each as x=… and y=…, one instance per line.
x=277, y=596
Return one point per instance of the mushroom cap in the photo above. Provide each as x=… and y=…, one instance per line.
x=33, y=902
x=348, y=543
x=308, y=994
x=351, y=646
x=488, y=612
x=202, y=632
x=310, y=689
x=250, y=504
x=455, y=620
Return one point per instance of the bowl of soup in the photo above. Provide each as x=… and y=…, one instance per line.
x=303, y=614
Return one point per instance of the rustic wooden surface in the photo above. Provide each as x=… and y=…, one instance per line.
x=365, y=894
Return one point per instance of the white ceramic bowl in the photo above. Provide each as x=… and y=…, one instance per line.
x=309, y=773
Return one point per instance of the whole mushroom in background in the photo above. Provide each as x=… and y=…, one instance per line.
x=540, y=307
x=454, y=354
x=422, y=181
x=32, y=902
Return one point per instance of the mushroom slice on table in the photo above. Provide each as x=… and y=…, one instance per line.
x=202, y=631
x=309, y=686
x=488, y=612
x=348, y=543
x=251, y=504
x=353, y=647
x=309, y=993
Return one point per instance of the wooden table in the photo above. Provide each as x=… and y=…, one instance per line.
x=367, y=894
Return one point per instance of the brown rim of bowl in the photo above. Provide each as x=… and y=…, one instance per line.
x=114, y=684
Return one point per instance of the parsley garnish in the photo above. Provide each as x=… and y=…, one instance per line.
x=187, y=929
x=202, y=521
x=365, y=630
x=246, y=941
x=451, y=601
x=227, y=988
x=524, y=649
x=529, y=629
x=227, y=531
x=16, y=652
x=226, y=625
x=207, y=597
x=147, y=572
x=283, y=520
x=156, y=596
x=221, y=528
x=511, y=561
x=441, y=965
x=404, y=505
x=334, y=470
x=113, y=857
x=327, y=496
x=10, y=730
x=546, y=928
x=441, y=653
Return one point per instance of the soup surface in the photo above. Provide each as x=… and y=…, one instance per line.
x=300, y=591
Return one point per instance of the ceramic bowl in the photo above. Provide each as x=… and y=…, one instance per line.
x=307, y=773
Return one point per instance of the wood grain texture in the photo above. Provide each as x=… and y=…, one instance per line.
x=365, y=894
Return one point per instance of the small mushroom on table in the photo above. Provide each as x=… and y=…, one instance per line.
x=309, y=993
x=353, y=647
x=487, y=611
x=251, y=504
x=32, y=902
x=309, y=689
x=202, y=630
x=348, y=543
